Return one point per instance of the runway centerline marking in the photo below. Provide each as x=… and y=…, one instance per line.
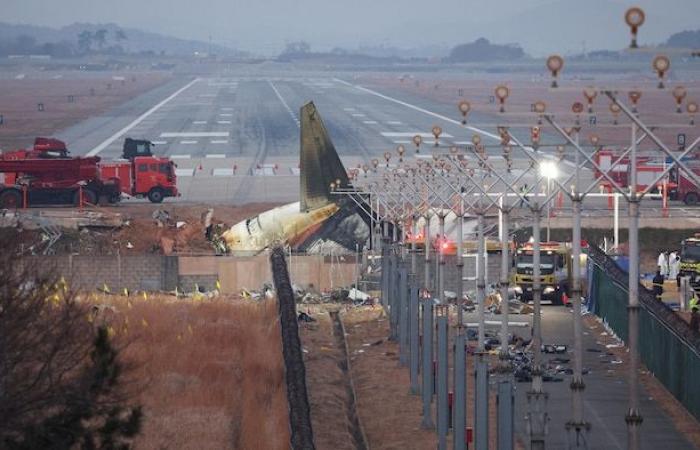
x=284, y=103
x=188, y=142
x=180, y=156
x=215, y=155
x=138, y=120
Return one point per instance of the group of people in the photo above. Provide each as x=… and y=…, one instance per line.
x=669, y=268
x=669, y=265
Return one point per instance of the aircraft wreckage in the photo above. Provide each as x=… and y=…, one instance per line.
x=320, y=222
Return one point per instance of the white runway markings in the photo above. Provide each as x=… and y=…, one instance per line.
x=410, y=134
x=180, y=156
x=138, y=120
x=419, y=109
x=215, y=156
x=199, y=122
x=184, y=172
x=188, y=142
x=394, y=122
x=159, y=142
x=284, y=103
x=224, y=122
x=195, y=134
x=222, y=172
x=219, y=141
x=369, y=122
x=358, y=115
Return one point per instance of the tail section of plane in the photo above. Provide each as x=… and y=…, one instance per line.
x=319, y=164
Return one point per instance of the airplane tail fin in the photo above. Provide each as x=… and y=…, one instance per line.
x=320, y=164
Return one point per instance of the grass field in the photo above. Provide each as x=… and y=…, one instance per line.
x=209, y=373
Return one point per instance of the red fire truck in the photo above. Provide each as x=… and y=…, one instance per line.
x=47, y=175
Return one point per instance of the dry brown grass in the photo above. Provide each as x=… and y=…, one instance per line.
x=210, y=372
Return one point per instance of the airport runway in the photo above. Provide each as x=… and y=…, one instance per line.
x=236, y=139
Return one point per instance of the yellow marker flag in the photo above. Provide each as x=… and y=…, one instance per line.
x=110, y=331
x=218, y=285
x=105, y=288
x=177, y=293
x=126, y=292
x=145, y=296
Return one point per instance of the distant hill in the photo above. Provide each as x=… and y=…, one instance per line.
x=685, y=39
x=107, y=38
x=482, y=50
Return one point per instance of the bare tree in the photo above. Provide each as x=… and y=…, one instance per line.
x=60, y=377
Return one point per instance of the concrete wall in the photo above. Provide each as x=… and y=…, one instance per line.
x=146, y=272
x=158, y=272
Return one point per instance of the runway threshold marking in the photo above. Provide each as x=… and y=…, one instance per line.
x=437, y=116
x=284, y=103
x=138, y=120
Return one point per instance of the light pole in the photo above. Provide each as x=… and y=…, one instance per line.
x=550, y=171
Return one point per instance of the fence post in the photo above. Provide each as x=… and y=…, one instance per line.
x=427, y=388
x=481, y=409
x=402, y=303
x=442, y=401
x=460, y=396
x=414, y=330
x=505, y=409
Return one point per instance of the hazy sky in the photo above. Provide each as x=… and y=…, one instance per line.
x=264, y=25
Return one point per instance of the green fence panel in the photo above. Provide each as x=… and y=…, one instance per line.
x=667, y=346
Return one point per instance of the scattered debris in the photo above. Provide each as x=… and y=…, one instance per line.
x=304, y=317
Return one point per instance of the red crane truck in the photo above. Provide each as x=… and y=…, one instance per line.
x=47, y=175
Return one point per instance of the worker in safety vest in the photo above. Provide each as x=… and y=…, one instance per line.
x=658, y=283
x=695, y=319
x=694, y=301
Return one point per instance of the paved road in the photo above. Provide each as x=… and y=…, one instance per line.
x=605, y=397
